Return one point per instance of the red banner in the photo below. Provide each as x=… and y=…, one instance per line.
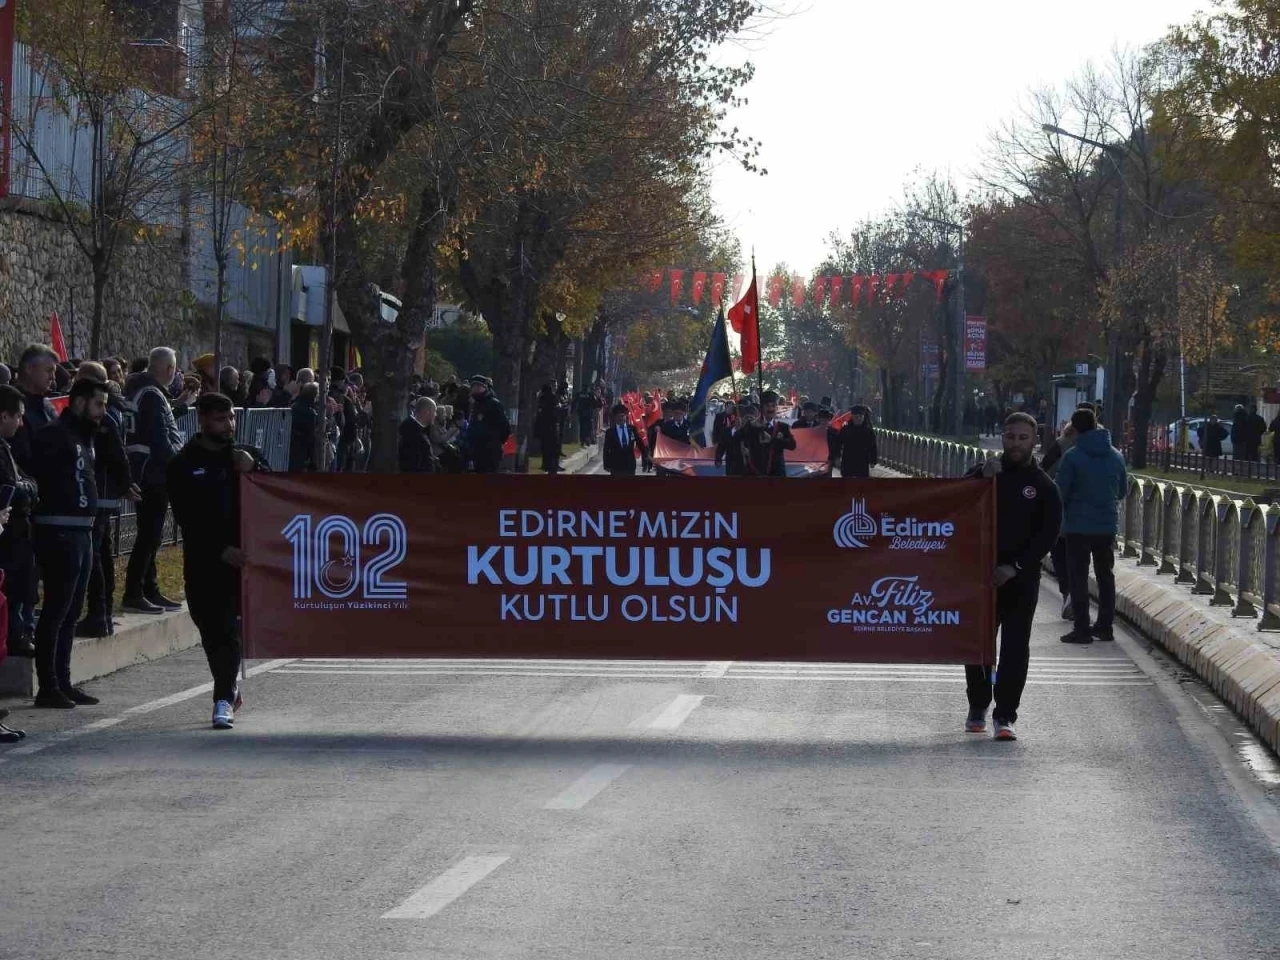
x=369, y=565
x=808, y=459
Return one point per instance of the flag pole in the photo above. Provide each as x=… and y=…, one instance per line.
x=759, y=341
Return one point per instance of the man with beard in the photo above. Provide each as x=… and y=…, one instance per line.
x=747, y=451
x=205, y=493
x=780, y=438
x=63, y=468
x=1028, y=518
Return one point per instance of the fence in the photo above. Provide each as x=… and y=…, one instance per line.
x=267, y=430
x=1221, y=546
x=1190, y=462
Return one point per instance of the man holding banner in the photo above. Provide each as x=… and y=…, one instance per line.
x=1028, y=518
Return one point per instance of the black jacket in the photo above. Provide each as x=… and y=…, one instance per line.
x=37, y=411
x=1211, y=436
x=546, y=422
x=302, y=434
x=111, y=461
x=855, y=448
x=155, y=438
x=1028, y=516
x=620, y=457
x=669, y=429
x=63, y=468
x=416, y=455
x=747, y=451
x=782, y=440
x=487, y=432
x=204, y=491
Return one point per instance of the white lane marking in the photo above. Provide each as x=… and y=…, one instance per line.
x=715, y=669
x=63, y=736
x=446, y=888
x=587, y=787
x=677, y=712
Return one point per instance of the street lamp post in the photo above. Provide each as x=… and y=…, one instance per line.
x=957, y=329
x=1113, y=411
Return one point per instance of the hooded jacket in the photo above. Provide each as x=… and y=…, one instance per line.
x=1093, y=481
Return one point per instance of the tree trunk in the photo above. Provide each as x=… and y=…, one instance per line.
x=100, y=277
x=1150, y=373
x=218, y=314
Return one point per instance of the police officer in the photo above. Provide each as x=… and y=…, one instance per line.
x=1028, y=518
x=205, y=493
x=63, y=466
x=488, y=428
x=153, y=440
x=114, y=485
x=17, y=556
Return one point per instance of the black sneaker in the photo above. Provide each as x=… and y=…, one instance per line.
x=20, y=734
x=163, y=602
x=54, y=700
x=79, y=697
x=88, y=628
x=9, y=736
x=1105, y=634
x=140, y=605
x=22, y=647
x=1073, y=637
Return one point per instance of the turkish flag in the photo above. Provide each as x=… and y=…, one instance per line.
x=836, y=283
x=906, y=283
x=55, y=337
x=677, y=283
x=737, y=287
x=744, y=317
x=717, y=289
x=797, y=293
x=855, y=293
x=775, y=290
x=699, y=284
x=890, y=282
x=939, y=277
x=872, y=283
x=654, y=281
x=819, y=291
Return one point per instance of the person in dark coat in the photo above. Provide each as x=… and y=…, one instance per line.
x=780, y=436
x=621, y=443
x=302, y=429
x=808, y=415
x=546, y=426
x=855, y=445
x=1240, y=434
x=17, y=555
x=416, y=453
x=487, y=428
x=1211, y=433
x=1257, y=430
x=747, y=451
x=1275, y=438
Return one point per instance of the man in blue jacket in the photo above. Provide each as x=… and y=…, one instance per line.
x=1093, y=482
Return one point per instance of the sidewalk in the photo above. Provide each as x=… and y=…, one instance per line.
x=1228, y=653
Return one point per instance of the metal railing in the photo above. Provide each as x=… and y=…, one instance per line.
x=267, y=429
x=1223, y=546
x=1192, y=462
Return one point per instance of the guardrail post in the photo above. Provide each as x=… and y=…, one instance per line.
x=1132, y=500
x=1169, y=498
x=1203, y=557
x=1222, y=511
x=1270, y=621
x=1187, y=503
x=1244, y=563
x=1150, y=518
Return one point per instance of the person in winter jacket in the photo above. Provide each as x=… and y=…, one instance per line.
x=854, y=447
x=546, y=426
x=1093, y=482
x=488, y=428
x=115, y=484
x=1211, y=433
x=35, y=378
x=63, y=465
x=17, y=555
x=151, y=444
x=621, y=444
x=415, y=450
x=302, y=428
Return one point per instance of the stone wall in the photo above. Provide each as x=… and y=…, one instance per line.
x=42, y=270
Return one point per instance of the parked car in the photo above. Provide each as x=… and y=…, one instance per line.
x=1193, y=436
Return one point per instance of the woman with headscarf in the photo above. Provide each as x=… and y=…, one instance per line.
x=854, y=447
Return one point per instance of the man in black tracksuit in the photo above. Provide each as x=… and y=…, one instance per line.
x=63, y=467
x=205, y=493
x=153, y=441
x=1028, y=518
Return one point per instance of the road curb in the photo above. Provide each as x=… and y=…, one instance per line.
x=580, y=460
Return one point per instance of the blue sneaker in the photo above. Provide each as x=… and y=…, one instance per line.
x=976, y=722
x=223, y=716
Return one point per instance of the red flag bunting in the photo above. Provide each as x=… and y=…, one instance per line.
x=717, y=289
x=819, y=291
x=699, y=284
x=890, y=282
x=654, y=281
x=855, y=293
x=906, y=282
x=939, y=278
x=737, y=287
x=775, y=290
x=797, y=292
x=872, y=283
x=836, y=283
x=677, y=284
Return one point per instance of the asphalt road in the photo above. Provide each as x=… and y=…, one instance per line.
x=639, y=810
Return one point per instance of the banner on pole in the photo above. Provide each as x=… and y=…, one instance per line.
x=975, y=343
x=365, y=565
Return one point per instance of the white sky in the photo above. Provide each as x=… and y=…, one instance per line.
x=851, y=96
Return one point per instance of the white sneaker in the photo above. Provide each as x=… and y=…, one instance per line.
x=1005, y=731
x=223, y=716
